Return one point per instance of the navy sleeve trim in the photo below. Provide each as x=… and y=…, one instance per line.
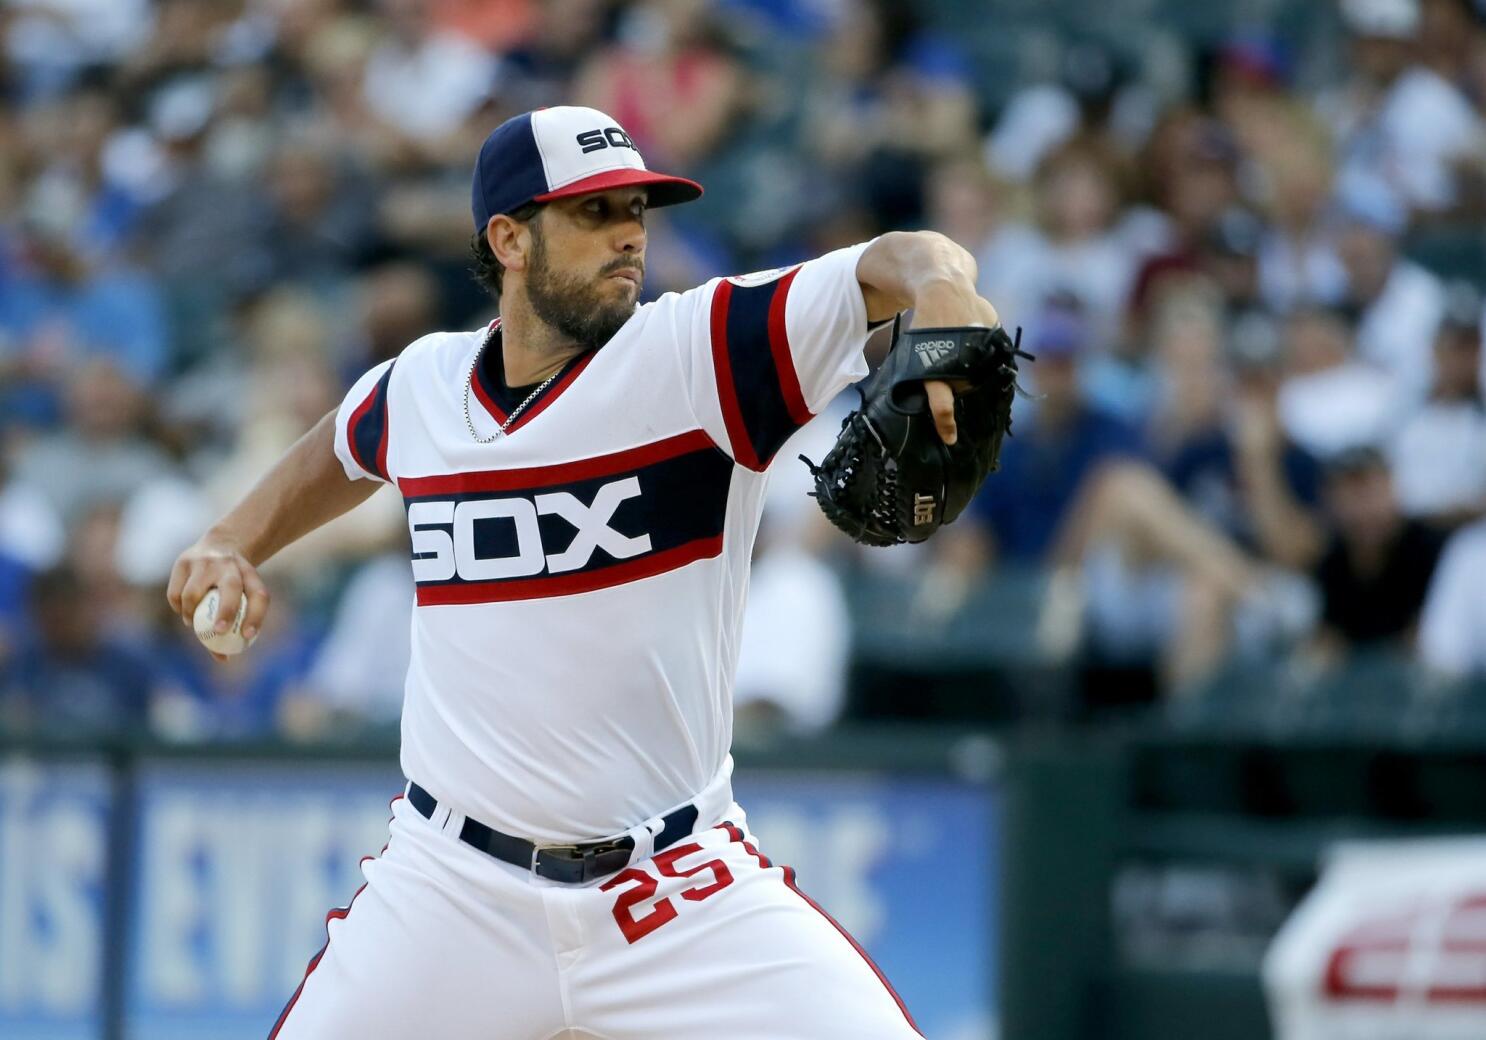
x=366, y=431
x=760, y=390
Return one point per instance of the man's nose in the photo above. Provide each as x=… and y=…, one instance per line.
x=631, y=237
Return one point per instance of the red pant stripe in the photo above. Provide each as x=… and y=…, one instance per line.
x=338, y=914
x=736, y=834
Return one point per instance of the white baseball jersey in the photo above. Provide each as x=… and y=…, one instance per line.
x=581, y=580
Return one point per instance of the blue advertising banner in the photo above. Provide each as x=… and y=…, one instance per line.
x=237, y=865
x=909, y=867
x=53, y=866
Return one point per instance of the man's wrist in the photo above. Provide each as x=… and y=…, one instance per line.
x=225, y=538
x=950, y=299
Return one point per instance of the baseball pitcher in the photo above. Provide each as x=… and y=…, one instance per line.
x=583, y=480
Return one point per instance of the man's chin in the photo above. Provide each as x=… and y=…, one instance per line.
x=605, y=322
x=623, y=288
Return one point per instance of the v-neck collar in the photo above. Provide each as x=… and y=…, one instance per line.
x=489, y=389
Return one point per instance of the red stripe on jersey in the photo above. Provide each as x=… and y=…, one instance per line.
x=353, y=422
x=736, y=833
x=784, y=360
x=481, y=394
x=561, y=473
x=338, y=914
x=486, y=401
x=727, y=393
x=571, y=584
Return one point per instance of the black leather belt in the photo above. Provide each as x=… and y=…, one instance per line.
x=570, y=864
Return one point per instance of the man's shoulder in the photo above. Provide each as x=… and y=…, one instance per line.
x=672, y=315
x=444, y=343
x=437, y=352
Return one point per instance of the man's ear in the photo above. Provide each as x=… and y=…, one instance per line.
x=510, y=241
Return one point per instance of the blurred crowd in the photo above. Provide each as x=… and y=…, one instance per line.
x=1248, y=264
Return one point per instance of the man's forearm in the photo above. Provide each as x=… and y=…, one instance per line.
x=306, y=488
x=924, y=270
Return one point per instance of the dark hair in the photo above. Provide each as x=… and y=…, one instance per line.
x=487, y=270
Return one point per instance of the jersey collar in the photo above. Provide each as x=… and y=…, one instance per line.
x=492, y=395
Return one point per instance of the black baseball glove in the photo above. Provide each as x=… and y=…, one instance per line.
x=890, y=478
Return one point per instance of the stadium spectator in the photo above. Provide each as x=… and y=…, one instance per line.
x=542, y=66
x=1454, y=615
x=1439, y=455
x=358, y=670
x=1298, y=265
x=102, y=453
x=884, y=102
x=1167, y=564
x=253, y=696
x=211, y=215
x=671, y=80
x=1194, y=181
x=1221, y=445
x=67, y=675
x=1397, y=118
x=397, y=302
x=422, y=82
x=61, y=306
x=1055, y=449
x=796, y=637
x=318, y=220
x=1091, y=94
x=1376, y=569
x=31, y=531
x=964, y=201
x=1399, y=304
x=794, y=652
x=15, y=579
x=199, y=209
x=1329, y=400
x=1074, y=250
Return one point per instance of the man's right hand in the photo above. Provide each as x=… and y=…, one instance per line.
x=217, y=561
x=307, y=487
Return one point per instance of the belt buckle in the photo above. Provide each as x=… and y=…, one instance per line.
x=573, y=864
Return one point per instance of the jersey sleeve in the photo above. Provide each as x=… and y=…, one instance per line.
x=782, y=344
x=362, y=426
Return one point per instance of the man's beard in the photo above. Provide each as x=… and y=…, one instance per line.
x=572, y=306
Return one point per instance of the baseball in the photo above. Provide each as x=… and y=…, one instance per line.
x=229, y=642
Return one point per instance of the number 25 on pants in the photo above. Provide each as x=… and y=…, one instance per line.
x=642, y=886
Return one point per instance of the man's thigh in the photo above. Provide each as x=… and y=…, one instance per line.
x=420, y=952
x=711, y=940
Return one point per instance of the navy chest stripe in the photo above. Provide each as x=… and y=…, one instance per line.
x=573, y=527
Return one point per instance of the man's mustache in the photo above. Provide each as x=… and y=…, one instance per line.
x=616, y=266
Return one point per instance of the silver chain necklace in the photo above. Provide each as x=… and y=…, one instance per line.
x=469, y=383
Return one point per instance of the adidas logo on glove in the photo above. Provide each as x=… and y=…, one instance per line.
x=929, y=351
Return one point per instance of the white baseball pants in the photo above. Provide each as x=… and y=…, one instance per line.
x=706, y=940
